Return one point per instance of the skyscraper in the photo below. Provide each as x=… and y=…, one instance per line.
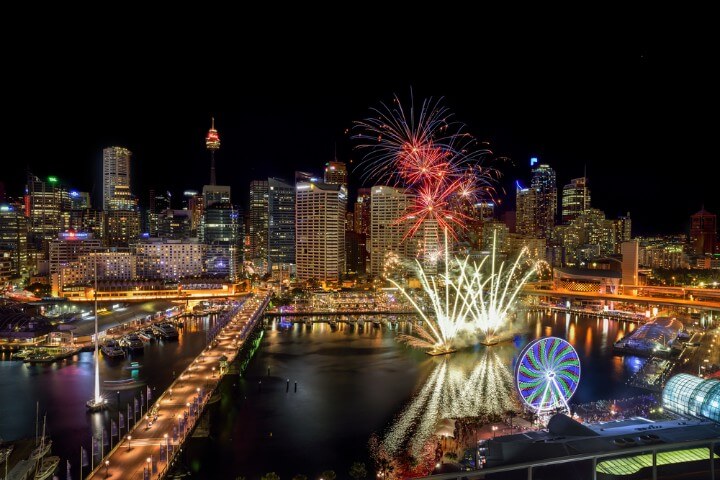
x=525, y=203
x=545, y=186
x=13, y=239
x=221, y=234
x=320, y=231
x=116, y=171
x=387, y=233
x=703, y=232
x=336, y=173
x=215, y=193
x=122, y=218
x=258, y=224
x=575, y=199
x=281, y=224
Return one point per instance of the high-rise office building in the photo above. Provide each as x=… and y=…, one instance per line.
x=157, y=203
x=174, y=224
x=13, y=239
x=361, y=214
x=703, y=232
x=525, y=212
x=258, y=225
x=222, y=235
x=336, y=173
x=387, y=234
x=116, y=171
x=122, y=218
x=214, y=194
x=320, y=231
x=545, y=186
x=47, y=207
x=575, y=199
x=281, y=225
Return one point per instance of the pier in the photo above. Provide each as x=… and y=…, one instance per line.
x=149, y=448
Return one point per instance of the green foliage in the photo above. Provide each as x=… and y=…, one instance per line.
x=299, y=476
x=358, y=471
x=328, y=475
x=270, y=476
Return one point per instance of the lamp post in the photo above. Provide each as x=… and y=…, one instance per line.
x=129, y=439
x=107, y=466
x=167, y=448
x=494, y=430
x=149, y=469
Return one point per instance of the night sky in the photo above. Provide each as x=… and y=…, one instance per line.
x=632, y=112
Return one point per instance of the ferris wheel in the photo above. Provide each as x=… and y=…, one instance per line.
x=547, y=374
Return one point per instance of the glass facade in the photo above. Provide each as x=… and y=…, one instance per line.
x=691, y=395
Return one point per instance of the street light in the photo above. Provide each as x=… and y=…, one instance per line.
x=167, y=448
x=107, y=465
x=148, y=460
x=129, y=438
x=494, y=429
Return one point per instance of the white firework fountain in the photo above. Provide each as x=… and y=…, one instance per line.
x=465, y=299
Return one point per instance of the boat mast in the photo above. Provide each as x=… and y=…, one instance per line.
x=37, y=420
x=97, y=359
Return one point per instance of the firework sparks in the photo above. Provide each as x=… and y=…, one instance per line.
x=466, y=298
x=431, y=155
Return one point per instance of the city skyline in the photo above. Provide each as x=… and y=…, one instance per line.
x=621, y=112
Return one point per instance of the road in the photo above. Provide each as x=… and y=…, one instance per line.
x=113, y=318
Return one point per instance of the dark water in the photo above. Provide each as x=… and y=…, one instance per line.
x=354, y=382
x=351, y=383
x=63, y=388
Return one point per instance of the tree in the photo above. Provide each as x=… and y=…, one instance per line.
x=511, y=414
x=328, y=475
x=299, y=476
x=358, y=471
x=385, y=467
x=270, y=476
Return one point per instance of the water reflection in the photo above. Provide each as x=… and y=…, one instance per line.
x=466, y=384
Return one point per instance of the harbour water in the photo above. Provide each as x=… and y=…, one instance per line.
x=351, y=383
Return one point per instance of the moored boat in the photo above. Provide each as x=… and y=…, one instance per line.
x=47, y=467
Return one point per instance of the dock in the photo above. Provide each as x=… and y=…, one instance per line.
x=151, y=448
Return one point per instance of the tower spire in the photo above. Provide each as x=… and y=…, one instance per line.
x=212, y=143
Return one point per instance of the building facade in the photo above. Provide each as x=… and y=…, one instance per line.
x=115, y=172
x=281, y=226
x=387, y=234
x=320, y=231
x=169, y=259
x=575, y=199
x=258, y=225
x=703, y=232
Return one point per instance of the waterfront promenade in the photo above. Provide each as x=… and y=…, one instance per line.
x=149, y=448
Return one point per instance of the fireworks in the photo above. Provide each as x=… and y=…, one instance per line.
x=467, y=299
x=431, y=155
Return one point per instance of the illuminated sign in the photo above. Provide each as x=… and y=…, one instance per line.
x=303, y=187
x=74, y=236
x=52, y=179
x=73, y=193
x=533, y=161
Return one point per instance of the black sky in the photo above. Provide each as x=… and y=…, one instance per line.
x=638, y=113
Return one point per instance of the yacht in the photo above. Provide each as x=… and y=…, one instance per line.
x=166, y=331
x=47, y=467
x=132, y=342
x=112, y=350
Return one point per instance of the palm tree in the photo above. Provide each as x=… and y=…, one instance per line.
x=511, y=414
x=358, y=471
x=328, y=475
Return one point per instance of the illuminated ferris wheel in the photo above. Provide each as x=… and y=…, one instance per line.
x=547, y=374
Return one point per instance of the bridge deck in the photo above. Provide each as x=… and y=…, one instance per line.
x=185, y=399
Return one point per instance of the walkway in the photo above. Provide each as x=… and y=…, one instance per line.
x=149, y=448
